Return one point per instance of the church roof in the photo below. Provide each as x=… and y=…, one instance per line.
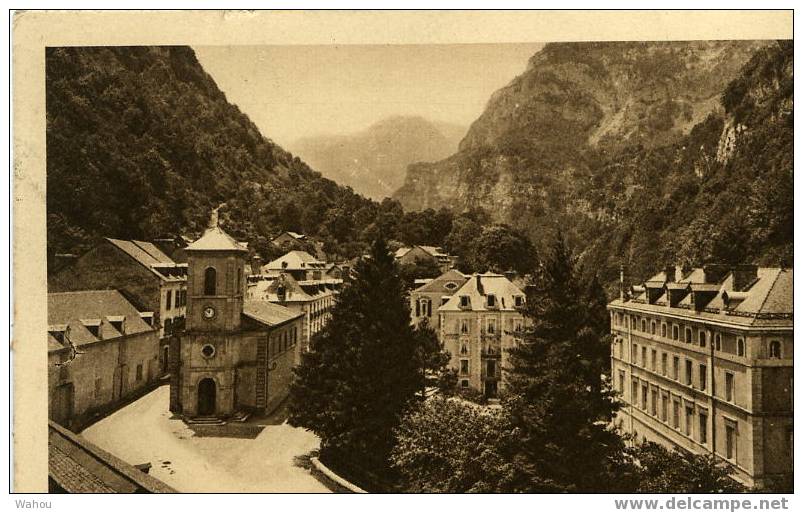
x=215, y=239
x=269, y=314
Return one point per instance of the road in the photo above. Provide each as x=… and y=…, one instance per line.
x=232, y=458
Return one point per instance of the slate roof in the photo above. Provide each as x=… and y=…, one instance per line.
x=269, y=314
x=438, y=285
x=295, y=291
x=79, y=466
x=767, y=302
x=216, y=239
x=76, y=310
x=151, y=257
x=296, y=261
x=478, y=287
x=432, y=250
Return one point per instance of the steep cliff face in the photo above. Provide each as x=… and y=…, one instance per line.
x=373, y=162
x=574, y=102
x=638, y=152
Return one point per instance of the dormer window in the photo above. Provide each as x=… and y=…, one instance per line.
x=491, y=299
x=93, y=326
x=117, y=322
x=450, y=285
x=464, y=302
x=519, y=302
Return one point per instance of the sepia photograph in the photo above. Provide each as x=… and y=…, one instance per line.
x=546, y=265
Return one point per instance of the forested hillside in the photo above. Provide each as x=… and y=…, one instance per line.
x=641, y=153
x=141, y=143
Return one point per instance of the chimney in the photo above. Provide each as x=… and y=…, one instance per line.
x=281, y=293
x=714, y=273
x=256, y=264
x=479, y=285
x=621, y=282
x=669, y=270
x=743, y=276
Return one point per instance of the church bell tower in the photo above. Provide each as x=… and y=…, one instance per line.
x=204, y=377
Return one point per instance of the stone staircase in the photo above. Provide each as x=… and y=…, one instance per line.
x=205, y=421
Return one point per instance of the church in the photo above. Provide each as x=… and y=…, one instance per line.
x=235, y=355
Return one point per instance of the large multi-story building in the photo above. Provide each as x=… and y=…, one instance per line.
x=144, y=274
x=426, y=300
x=299, y=264
x=478, y=324
x=702, y=359
x=235, y=355
x=100, y=353
x=313, y=299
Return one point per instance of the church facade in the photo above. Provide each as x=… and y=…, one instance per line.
x=235, y=355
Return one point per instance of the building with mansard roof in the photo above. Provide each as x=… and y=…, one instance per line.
x=235, y=355
x=101, y=352
x=703, y=358
x=143, y=273
x=481, y=320
x=411, y=255
x=429, y=296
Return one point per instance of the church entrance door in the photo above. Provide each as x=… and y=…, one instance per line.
x=206, y=396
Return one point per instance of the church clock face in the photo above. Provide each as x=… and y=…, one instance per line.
x=209, y=312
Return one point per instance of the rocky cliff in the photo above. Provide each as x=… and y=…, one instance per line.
x=623, y=146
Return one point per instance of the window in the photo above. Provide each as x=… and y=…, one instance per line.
x=139, y=372
x=663, y=330
x=688, y=337
x=633, y=354
x=491, y=368
x=208, y=351
x=463, y=366
x=643, y=356
x=519, y=301
x=703, y=436
x=463, y=348
x=664, y=407
x=169, y=299
x=652, y=327
x=210, y=281
x=622, y=381
x=491, y=326
x=464, y=302
x=701, y=338
x=464, y=383
x=703, y=377
x=644, y=397
x=730, y=440
x=98, y=388
x=675, y=333
x=654, y=405
x=688, y=372
x=718, y=342
x=689, y=420
x=491, y=301
x=775, y=349
x=729, y=386
x=418, y=308
x=644, y=325
x=463, y=325
x=239, y=279
x=634, y=392
x=740, y=346
x=663, y=363
x=676, y=368
x=676, y=414
x=94, y=329
x=653, y=362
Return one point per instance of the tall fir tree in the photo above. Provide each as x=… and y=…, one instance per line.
x=363, y=370
x=557, y=399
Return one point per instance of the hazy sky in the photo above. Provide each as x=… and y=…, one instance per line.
x=296, y=91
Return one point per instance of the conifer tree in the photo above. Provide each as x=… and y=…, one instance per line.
x=363, y=370
x=556, y=397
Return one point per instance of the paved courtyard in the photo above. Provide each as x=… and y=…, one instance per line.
x=256, y=456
